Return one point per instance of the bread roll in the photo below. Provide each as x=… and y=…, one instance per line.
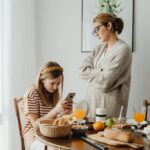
x=60, y=122
x=55, y=123
x=120, y=135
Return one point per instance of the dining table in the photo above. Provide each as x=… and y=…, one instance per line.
x=72, y=142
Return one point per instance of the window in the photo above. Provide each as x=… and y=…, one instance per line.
x=0, y=64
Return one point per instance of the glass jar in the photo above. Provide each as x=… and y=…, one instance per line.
x=101, y=114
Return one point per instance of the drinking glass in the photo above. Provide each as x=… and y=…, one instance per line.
x=139, y=114
x=80, y=110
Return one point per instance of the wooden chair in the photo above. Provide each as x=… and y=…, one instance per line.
x=17, y=103
x=146, y=103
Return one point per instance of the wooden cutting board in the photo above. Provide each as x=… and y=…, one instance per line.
x=102, y=139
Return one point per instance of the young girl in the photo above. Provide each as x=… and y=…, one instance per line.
x=43, y=101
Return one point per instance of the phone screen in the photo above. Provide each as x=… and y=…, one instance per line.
x=70, y=96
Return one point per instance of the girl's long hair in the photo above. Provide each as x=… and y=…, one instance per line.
x=46, y=97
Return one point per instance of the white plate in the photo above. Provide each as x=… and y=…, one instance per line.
x=133, y=122
x=147, y=133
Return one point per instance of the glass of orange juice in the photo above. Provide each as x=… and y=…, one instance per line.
x=139, y=114
x=80, y=110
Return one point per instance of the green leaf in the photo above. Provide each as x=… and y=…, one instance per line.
x=109, y=6
x=113, y=2
x=101, y=1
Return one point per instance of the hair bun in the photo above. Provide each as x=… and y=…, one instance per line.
x=118, y=25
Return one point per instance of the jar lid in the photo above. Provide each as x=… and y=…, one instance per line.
x=101, y=111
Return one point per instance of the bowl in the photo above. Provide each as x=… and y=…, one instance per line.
x=46, y=122
x=79, y=130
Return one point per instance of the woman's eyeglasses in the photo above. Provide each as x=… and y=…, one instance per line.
x=96, y=29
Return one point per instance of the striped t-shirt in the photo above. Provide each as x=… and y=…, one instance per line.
x=32, y=105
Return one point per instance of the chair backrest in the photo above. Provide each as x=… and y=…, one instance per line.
x=17, y=103
x=146, y=103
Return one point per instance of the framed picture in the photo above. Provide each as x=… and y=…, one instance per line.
x=89, y=11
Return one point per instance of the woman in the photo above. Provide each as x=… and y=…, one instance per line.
x=42, y=101
x=108, y=68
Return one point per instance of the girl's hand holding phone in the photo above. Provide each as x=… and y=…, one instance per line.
x=68, y=106
x=65, y=106
x=69, y=102
x=60, y=106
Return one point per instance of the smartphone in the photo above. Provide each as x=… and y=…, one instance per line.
x=70, y=96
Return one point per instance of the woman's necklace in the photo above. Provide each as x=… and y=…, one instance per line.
x=105, y=50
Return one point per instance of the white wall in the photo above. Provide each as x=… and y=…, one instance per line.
x=23, y=44
x=140, y=88
x=59, y=39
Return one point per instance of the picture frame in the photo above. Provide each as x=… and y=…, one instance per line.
x=88, y=41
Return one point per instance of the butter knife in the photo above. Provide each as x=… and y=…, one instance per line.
x=94, y=143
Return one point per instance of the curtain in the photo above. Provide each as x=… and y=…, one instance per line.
x=0, y=63
x=17, y=63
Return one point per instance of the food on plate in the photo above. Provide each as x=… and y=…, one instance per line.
x=79, y=129
x=99, y=126
x=121, y=126
x=120, y=135
x=147, y=129
x=109, y=122
x=120, y=120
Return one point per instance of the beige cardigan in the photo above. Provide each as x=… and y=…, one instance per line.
x=110, y=81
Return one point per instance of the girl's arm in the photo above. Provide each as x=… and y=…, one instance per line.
x=34, y=118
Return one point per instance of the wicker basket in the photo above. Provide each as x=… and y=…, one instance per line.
x=52, y=131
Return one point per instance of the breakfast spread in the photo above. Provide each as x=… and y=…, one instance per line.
x=116, y=133
x=111, y=132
